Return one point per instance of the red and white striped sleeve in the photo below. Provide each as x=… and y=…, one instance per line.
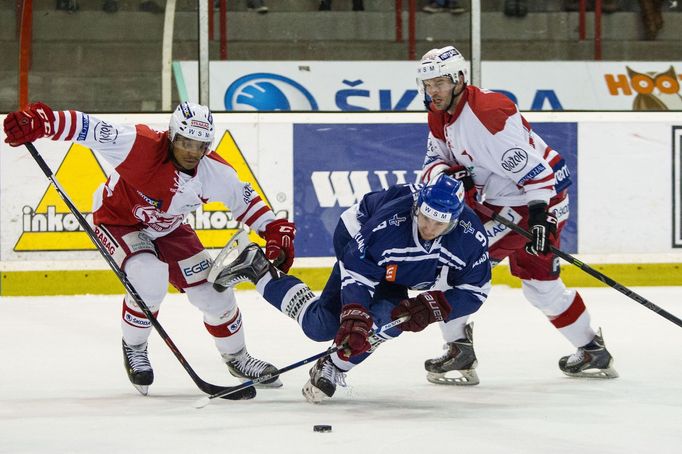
x=112, y=141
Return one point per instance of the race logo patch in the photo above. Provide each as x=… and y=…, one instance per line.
x=134, y=320
x=496, y=230
x=195, y=268
x=391, y=272
x=514, y=160
x=105, y=133
x=200, y=124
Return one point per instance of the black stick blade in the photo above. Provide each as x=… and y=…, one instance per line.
x=242, y=394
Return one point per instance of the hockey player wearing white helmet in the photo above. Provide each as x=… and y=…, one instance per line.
x=191, y=134
x=159, y=178
x=481, y=138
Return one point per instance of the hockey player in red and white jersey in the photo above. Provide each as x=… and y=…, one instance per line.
x=480, y=137
x=160, y=177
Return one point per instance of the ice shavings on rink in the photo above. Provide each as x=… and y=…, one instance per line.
x=63, y=387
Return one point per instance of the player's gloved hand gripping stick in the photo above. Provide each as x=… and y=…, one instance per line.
x=586, y=268
x=372, y=338
x=232, y=393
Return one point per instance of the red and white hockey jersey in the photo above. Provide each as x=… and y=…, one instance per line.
x=508, y=162
x=146, y=189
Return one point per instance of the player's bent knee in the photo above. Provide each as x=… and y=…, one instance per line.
x=212, y=303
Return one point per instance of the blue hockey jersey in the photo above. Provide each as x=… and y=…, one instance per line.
x=384, y=245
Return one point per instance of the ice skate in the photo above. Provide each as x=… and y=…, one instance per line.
x=459, y=359
x=245, y=367
x=324, y=376
x=592, y=361
x=137, y=366
x=249, y=266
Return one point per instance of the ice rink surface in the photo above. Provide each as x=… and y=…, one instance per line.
x=63, y=388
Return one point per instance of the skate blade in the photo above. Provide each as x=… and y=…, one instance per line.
x=312, y=394
x=142, y=389
x=468, y=377
x=609, y=372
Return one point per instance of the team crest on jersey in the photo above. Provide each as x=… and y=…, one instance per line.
x=397, y=220
x=155, y=219
x=466, y=226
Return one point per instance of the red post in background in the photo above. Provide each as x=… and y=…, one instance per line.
x=597, y=30
x=398, y=21
x=25, y=37
x=223, y=30
x=581, y=19
x=412, y=31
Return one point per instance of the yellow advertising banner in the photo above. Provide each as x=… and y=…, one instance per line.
x=50, y=226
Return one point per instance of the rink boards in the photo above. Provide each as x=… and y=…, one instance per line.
x=625, y=196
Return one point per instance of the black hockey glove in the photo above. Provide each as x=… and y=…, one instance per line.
x=542, y=226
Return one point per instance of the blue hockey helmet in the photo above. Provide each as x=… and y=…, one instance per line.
x=442, y=200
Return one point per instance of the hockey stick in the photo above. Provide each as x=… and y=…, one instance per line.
x=586, y=268
x=241, y=393
x=373, y=340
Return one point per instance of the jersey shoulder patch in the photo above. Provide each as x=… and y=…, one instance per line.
x=492, y=109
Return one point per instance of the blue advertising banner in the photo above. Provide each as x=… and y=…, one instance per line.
x=336, y=164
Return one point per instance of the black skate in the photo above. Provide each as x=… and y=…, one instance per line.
x=592, y=361
x=245, y=367
x=460, y=358
x=249, y=266
x=137, y=366
x=324, y=376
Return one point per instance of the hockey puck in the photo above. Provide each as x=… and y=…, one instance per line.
x=322, y=428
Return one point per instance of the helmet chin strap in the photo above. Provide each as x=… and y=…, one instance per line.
x=454, y=96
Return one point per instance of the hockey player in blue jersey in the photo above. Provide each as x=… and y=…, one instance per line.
x=404, y=238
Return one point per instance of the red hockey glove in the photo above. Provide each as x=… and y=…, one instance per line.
x=542, y=226
x=279, y=243
x=462, y=174
x=356, y=323
x=30, y=124
x=424, y=309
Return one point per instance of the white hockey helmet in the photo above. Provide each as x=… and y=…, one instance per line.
x=446, y=61
x=193, y=121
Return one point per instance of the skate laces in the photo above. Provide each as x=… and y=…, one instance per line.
x=445, y=355
x=137, y=357
x=576, y=357
x=333, y=373
x=248, y=365
x=595, y=349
